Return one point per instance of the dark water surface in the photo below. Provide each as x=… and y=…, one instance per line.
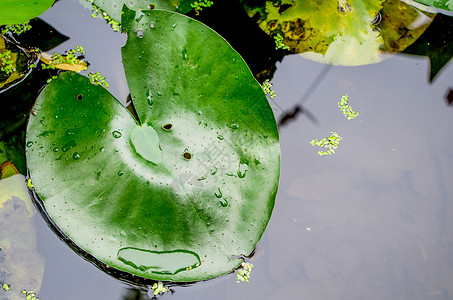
x=373, y=221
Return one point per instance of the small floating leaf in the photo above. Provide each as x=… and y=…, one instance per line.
x=146, y=142
x=158, y=288
x=347, y=109
x=244, y=272
x=330, y=143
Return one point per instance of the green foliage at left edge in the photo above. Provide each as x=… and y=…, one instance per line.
x=20, y=11
x=206, y=200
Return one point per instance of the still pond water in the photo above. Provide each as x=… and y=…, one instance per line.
x=373, y=221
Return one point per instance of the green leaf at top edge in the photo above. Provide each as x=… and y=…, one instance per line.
x=20, y=11
x=190, y=215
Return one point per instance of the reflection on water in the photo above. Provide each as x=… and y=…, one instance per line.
x=378, y=209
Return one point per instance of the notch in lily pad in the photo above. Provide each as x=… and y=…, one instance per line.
x=146, y=143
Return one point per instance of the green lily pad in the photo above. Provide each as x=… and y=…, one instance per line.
x=340, y=32
x=185, y=190
x=20, y=11
x=114, y=8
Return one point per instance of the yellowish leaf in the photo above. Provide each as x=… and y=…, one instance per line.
x=80, y=65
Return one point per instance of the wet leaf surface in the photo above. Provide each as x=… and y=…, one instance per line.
x=200, y=206
x=436, y=44
x=77, y=66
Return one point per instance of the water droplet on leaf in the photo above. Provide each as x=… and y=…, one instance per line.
x=150, y=98
x=116, y=134
x=68, y=146
x=218, y=193
x=76, y=155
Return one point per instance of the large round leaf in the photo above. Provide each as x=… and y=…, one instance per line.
x=179, y=194
x=21, y=265
x=20, y=11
